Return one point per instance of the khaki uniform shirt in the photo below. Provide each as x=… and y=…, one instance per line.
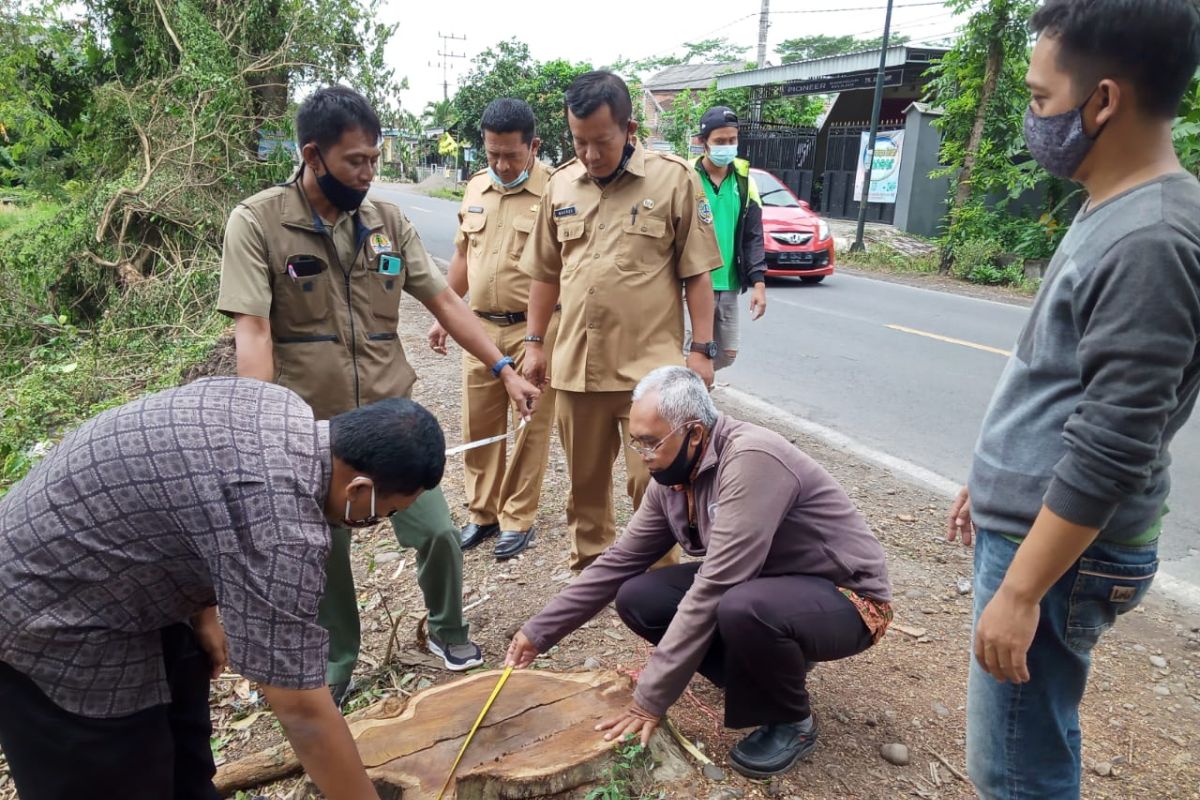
x=494, y=224
x=334, y=332
x=618, y=253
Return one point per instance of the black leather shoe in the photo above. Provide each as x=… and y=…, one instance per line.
x=473, y=533
x=513, y=543
x=772, y=749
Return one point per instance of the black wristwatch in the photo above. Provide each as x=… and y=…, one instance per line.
x=707, y=348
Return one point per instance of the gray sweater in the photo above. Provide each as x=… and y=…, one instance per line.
x=1105, y=372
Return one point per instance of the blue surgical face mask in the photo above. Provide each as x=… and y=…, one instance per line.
x=515, y=182
x=722, y=154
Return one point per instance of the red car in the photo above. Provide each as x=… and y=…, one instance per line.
x=798, y=243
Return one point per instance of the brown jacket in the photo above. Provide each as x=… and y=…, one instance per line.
x=334, y=333
x=763, y=508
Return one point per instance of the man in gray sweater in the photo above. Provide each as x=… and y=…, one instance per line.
x=1070, y=476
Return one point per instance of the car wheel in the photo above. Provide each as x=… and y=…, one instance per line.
x=812, y=279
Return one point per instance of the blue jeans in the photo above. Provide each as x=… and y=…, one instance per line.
x=1023, y=741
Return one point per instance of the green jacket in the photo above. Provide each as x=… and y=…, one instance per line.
x=750, y=260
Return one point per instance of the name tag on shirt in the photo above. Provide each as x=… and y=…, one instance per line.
x=565, y=211
x=475, y=210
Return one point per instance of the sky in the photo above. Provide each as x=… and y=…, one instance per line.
x=600, y=33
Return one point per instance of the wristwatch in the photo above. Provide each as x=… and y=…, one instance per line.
x=707, y=348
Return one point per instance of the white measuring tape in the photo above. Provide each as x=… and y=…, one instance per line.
x=462, y=448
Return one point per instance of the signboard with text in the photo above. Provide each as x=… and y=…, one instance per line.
x=893, y=76
x=885, y=166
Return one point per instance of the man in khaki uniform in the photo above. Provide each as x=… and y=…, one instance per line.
x=619, y=229
x=312, y=273
x=497, y=213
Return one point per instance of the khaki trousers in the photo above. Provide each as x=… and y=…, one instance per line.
x=594, y=427
x=504, y=486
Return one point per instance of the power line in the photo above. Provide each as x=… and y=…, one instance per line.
x=861, y=8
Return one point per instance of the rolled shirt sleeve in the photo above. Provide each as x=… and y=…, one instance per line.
x=245, y=271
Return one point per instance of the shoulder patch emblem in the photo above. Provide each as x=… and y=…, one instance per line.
x=380, y=243
x=704, y=211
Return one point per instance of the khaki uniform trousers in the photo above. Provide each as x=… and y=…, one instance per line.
x=594, y=427
x=502, y=486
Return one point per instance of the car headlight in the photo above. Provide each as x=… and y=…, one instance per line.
x=822, y=230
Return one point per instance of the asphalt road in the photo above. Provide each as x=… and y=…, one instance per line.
x=904, y=371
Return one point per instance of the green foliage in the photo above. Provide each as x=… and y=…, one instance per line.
x=803, y=48
x=110, y=287
x=881, y=258
x=455, y=195
x=508, y=70
x=628, y=776
x=1187, y=129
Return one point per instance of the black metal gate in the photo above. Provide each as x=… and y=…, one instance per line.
x=786, y=152
x=842, y=148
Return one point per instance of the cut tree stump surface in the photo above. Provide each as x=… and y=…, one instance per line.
x=538, y=738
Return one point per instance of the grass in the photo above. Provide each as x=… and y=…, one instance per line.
x=447, y=194
x=881, y=258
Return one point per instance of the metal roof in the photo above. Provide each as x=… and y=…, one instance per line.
x=862, y=61
x=686, y=76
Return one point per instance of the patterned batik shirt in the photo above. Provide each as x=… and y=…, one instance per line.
x=151, y=512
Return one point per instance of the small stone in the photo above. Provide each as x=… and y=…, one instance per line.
x=940, y=710
x=774, y=788
x=387, y=557
x=713, y=772
x=963, y=586
x=1158, y=662
x=1102, y=768
x=906, y=518
x=1162, y=690
x=591, y=663
x=725, y=793
x=1138, y=648
x=895, y=753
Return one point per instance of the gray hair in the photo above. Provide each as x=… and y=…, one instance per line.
x=682, y=396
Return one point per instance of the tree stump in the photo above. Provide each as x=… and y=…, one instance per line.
x=537, y=740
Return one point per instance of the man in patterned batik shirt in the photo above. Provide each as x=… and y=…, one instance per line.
x=118, y=548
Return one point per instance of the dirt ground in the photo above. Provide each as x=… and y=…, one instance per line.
x=1141, y=723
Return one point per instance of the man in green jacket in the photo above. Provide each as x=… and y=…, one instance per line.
x=737, y=221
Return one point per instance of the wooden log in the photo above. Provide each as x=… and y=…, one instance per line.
x=537, y=740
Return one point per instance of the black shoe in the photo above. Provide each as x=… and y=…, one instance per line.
x=513, y=543
x=772, y=749
x=473, y=533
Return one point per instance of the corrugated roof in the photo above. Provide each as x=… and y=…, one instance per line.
x=829, y=66
x=686, y=76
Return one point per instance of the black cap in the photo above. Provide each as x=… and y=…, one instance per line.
x=717, y=117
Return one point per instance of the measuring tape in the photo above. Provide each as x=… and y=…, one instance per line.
x=462, y=448
x=479, y=721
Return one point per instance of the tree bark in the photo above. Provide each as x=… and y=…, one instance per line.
x=991, y=77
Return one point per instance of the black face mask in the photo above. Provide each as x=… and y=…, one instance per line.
x=625, y=156
x=680, y=469
x=344, y=198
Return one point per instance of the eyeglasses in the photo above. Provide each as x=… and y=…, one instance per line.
x=648, y=450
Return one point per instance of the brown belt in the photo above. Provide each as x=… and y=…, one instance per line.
x=506, y=317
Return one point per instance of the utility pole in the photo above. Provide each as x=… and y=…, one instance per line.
x=763, y=24
x=446, y=55
x=858, y=245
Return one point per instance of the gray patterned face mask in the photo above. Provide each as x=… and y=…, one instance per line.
x=1058, y=143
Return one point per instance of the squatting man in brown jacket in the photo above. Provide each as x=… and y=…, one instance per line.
x=790, y=574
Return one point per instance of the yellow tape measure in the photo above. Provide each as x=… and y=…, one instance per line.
x=479, y=721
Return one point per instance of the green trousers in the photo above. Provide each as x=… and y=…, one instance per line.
x=426, y=526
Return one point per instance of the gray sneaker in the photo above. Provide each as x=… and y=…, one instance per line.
x=456, y=657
